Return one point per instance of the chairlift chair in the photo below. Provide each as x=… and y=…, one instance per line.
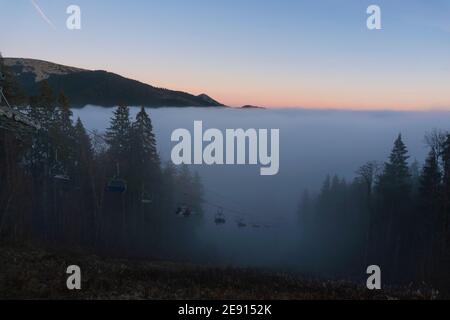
x=241, y=224
x=116, y=185
x=62, y=178
x=220, y=217
x=57, y=171
x=183, y=211
x=146, y=199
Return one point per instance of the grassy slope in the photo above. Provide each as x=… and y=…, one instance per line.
x=29, y=273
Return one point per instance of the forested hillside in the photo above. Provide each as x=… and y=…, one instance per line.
x=395, y=215
x=102, y=88
x=108, y=191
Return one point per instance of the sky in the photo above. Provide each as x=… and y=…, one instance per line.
x=273, y=53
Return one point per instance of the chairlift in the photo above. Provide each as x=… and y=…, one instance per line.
x=116, y=184
x=58, y=173
x=146, y=197
x=62, y=178
x=241, y=224
x=183, y=211
x=220, y=217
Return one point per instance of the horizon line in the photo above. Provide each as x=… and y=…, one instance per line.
x=261, y=106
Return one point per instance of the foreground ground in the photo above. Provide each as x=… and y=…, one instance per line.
x=30, y=273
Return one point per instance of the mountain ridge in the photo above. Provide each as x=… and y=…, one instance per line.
x=99, y=87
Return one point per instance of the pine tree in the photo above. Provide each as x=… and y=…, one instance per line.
x=45, y=97
x=367, y=174
x=64, y=112
x=12, y=187
x=414, y=171
x=430, y=181
x=83, y=143
x=11, y=88
x=84, y=178
x=445, y=218
x=145, y=162
x=143, y=140
x=118, y=135
x=40, y=160
x=395, y=210
x=43, y=109
x=395, y=180
x=63, y=135
x=117, y=209
x=144, y=175
x=428, y=222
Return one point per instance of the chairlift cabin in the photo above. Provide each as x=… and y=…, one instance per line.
x=146, y=198
x=220, y=217
x=116, y=186
x=62, y=178
x=241, y=224
x=183, y=211
x=58, y=173
x=63, y=182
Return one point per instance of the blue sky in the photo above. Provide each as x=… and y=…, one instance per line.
x=280, y=53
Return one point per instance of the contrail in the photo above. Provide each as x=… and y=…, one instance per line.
x=42, y=14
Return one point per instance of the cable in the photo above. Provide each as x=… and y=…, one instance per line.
x=241, y=215
x=237, y=214
x=96, y=135
x=6, y=100
x=229, y=200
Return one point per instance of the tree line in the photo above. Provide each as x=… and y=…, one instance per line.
x=65, y=185
x=394, y=215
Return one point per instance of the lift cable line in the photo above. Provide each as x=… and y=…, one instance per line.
x=16, y=121
x=10, y=118
x=240, y=216
x=229, y=200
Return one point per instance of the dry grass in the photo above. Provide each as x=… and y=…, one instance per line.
x=29, y=273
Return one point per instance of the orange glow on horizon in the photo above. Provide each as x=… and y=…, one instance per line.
x=312, y=94
x=348, y=96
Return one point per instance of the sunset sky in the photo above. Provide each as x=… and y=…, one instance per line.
x=274, y=53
